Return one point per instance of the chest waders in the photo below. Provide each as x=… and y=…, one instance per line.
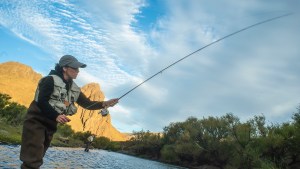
x=38, y=130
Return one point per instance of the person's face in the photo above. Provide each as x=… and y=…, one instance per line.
x=71, y=73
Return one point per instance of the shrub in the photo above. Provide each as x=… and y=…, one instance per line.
x=12, y=112
x=168, y=154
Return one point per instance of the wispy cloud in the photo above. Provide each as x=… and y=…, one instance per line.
x=252, y=73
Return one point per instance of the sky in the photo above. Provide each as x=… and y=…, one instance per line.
x=253, y=73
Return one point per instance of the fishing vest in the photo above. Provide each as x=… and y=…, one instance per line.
x=61, y=100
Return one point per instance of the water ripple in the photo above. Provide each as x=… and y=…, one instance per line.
x=76, y=158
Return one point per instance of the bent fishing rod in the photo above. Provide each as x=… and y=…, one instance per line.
x=105, y=111
x=214, y=42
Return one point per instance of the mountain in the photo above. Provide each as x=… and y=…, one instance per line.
x=88, y=120
x=20, y=82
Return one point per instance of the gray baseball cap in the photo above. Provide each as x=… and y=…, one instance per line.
x=70, y=61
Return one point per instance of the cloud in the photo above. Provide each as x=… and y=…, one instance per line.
x=62, y=27
x=240, y=75
x=250, y=73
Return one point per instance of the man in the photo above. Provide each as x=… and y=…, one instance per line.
x=88, y=143
x=54, y=100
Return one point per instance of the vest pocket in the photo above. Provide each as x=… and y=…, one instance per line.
x=59, y=107
x=72, y=109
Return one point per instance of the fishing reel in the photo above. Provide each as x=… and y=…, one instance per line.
x=104, y=112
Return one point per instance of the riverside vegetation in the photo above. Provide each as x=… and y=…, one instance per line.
x=222, y=142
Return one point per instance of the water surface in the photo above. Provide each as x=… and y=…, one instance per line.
x=68, y=158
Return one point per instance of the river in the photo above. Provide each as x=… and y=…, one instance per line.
x=76, y=158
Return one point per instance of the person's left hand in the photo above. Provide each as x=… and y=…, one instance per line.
x=62, y=119
x=111, y=102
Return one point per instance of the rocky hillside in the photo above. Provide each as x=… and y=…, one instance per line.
x=87, y=120
x=20, y=81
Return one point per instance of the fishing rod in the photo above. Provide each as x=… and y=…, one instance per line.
x=104, y=111
x=216, y=41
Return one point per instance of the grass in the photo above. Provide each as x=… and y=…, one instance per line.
x=10, y=134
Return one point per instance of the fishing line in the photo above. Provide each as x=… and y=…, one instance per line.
x=216, y=41
x=105, y=111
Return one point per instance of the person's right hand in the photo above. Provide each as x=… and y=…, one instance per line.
x=62, y=119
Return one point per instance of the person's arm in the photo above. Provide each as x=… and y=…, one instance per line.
x=86, y=103
x=46, y=88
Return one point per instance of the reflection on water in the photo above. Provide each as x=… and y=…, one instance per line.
x=58, y=157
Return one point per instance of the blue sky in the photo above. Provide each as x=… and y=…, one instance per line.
x=125, y=42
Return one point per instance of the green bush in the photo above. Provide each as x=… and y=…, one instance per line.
x=101, y=143
x=82, y=135
x=168, y=154
x=114, y=146
x=64, y=130
x=12, y=112
x=187, y=152
x=4, y=101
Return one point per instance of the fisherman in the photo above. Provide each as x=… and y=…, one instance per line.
x=88, y=143
x=55, y=98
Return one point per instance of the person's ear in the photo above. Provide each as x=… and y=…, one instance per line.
x=64, y=68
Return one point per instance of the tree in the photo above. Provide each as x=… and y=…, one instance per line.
x=4, y=101
x=258, y=126
x=65, y=130
x=101, y=142
x=82, y=135
x=146, y=143
x=12, y=112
